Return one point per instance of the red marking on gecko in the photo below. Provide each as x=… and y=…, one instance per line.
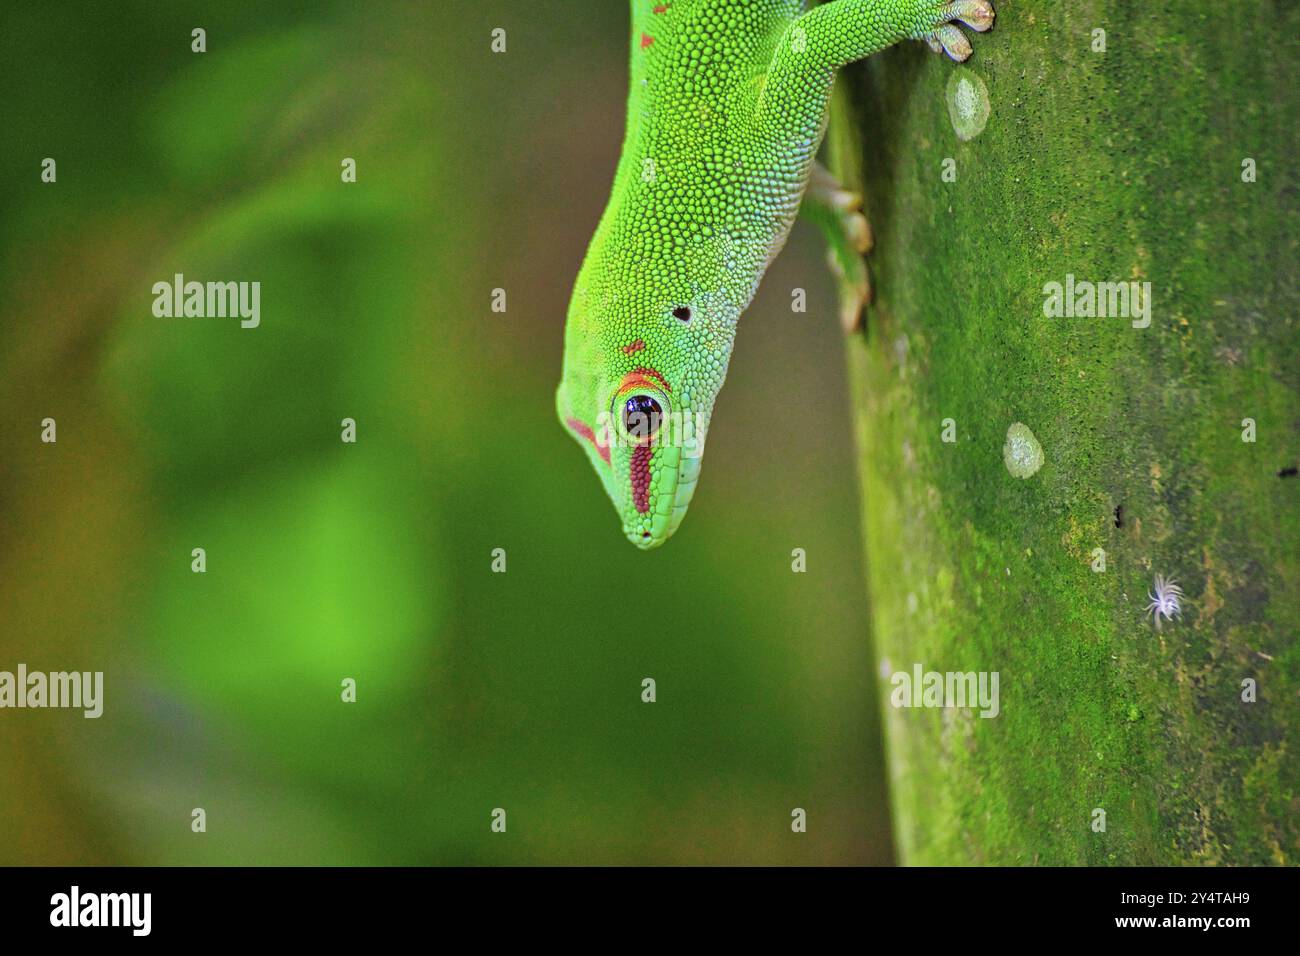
x=653, y=373
x=646, y=40
x=635, y=347
x=662, y=8
x=641, y=377
x=584, y=430
x=639, y=475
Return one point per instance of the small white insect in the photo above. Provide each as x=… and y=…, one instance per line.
x=1165, y=601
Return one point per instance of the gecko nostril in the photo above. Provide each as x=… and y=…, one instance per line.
x=682, y=313
x=645, y=534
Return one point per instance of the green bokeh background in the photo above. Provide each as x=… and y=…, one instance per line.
x=476, y=690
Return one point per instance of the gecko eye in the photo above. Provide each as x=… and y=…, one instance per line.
x=682, y=312
x=642, y=416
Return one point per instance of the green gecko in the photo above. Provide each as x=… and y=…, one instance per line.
x=728, y=105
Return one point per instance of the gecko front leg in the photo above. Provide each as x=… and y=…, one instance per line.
x=835, y=34
x=816, y=45
x=796, y=88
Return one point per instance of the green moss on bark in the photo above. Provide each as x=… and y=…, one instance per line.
x=1123, y=165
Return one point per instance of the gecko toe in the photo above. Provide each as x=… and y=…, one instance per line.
x=954, y=42
x=976, y=14
x=853, y=282
x=946, y=36
x=858, y=231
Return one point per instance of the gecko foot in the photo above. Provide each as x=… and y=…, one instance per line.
x=839, y=213
x=976, y=14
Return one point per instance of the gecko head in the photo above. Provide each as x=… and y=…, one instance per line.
x=641, y=373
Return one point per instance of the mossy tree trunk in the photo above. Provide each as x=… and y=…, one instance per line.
x=1130, y=163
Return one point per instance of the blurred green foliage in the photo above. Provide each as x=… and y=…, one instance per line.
x=371, y=561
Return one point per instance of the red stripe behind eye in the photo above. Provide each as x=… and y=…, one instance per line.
x=584, y=430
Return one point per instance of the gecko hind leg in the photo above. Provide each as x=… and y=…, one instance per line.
x=838, y=213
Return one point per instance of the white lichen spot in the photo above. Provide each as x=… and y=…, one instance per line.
x=966, y=100
x=1022, y=452
x=968, y=103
